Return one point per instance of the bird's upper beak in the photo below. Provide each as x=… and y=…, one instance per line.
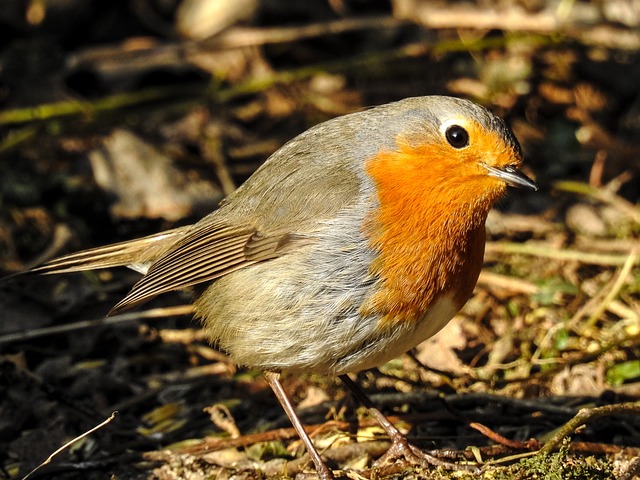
x=512, y=176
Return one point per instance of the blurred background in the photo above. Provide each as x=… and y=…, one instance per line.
x=120, y=119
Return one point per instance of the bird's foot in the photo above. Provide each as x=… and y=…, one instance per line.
x=402, y=449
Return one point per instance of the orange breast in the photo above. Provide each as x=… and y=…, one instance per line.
x=428, y=230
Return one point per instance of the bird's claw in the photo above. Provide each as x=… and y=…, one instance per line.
x=402, y=449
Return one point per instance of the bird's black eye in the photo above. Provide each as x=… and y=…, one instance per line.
x=457, y=136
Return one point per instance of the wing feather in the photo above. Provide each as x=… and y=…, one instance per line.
x=207, y=252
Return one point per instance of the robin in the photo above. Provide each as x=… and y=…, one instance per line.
x=351, y=244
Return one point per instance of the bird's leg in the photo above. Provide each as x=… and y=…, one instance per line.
x=274, y=382
x=400, y=446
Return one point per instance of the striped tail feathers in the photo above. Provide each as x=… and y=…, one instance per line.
x=179, y=258
x=137, y=254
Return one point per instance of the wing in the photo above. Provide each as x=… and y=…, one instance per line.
x=209, y=251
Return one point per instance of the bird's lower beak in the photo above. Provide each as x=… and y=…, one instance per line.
x=512, y=176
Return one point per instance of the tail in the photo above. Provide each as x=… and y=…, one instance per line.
x=136, y=254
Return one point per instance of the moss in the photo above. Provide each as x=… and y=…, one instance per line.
x=560, y=465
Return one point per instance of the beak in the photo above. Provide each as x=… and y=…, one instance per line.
x=512, y=176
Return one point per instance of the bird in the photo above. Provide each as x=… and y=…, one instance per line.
x=350, y=245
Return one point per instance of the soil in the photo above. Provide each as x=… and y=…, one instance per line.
x=124, y=119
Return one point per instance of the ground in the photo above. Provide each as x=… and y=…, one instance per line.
x=123, y=120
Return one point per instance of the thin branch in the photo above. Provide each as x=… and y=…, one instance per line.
x=548, y=251
x=584, y=416
x=617, y=285
x=71, y=327
x=582, y=22
x=70, y=443
x=603, y=195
